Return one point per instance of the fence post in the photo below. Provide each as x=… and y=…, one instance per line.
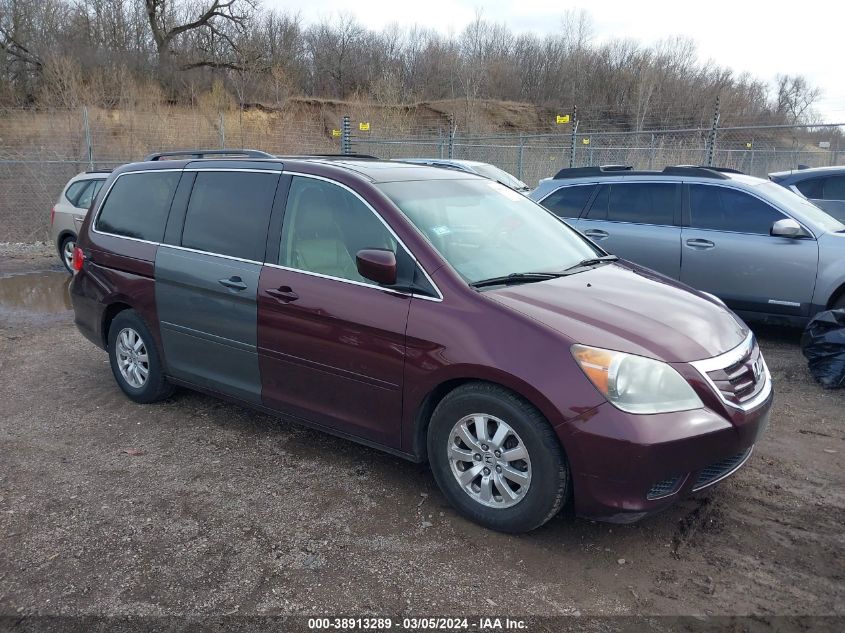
x=221, y=130
x=751, y=163
x=651, y=153
x=345, y=142
x=711, y=147
x=451, y=136
x=574, y=134
x=519, y=156
x=88, y=145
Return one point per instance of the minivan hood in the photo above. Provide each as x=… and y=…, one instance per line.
x=627, y=308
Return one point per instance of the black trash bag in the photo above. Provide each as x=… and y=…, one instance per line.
x=823, y=345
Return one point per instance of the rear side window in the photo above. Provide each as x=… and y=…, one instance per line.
x=229, y=212
x=138, y=205
x=722, y=209
x=811, y=188
x=642, y=202
x=568, y=202
x=74, y=190
x=87, y=196
x=834, y=188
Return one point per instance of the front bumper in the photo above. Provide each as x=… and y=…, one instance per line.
x=626, y=466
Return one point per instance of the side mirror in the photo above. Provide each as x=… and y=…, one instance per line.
x=786, y=228
x=377, y=265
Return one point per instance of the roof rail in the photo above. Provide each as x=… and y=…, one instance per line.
x=202, y=153
x=98, y=171
x=675, y=170
x=701, y=172
x=579, y=172
x=722, y=170
x=340, y=156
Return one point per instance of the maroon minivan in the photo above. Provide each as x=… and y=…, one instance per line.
x=427, y=312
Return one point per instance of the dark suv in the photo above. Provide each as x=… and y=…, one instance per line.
x=428, y=312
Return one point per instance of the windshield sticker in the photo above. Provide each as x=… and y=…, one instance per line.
x=441, y=230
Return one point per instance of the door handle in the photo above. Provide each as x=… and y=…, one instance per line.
x=597, y=234
x=700, y=244
x=233, y=283
x=285, y=294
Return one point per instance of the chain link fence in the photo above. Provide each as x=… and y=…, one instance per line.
x=40, y=150
x=758, y=150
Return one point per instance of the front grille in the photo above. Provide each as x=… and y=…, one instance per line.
x=717, y=470
x=742, y=381
x=663, y=488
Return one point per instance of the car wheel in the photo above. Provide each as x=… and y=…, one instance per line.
x=66, y=251
x=496, y=458
x=840, y=303
x=135, y=361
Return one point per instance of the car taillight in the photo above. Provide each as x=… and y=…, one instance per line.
x=78, y=259
x=52, y=215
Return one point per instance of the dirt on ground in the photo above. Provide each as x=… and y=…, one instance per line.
x=197, y=506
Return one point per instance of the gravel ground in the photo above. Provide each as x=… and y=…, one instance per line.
x=195, y=506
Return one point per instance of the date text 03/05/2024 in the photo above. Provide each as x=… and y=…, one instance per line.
x=418, y=624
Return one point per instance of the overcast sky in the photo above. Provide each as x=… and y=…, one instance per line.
x=763, y=38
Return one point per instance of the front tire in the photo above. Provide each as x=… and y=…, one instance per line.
x=497, y=459
x=135, y=362
x=66, y=247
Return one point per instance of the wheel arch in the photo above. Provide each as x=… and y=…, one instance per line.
x=111, y=311
x=435, y=395
x=64, y=234
x=837, y=294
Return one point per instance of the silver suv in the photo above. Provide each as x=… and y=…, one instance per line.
x=768, y=253
x=67, y=214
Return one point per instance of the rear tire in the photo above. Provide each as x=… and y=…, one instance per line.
x=66, y=247
x=840, y=303
x=135, y=361
x=497, y=459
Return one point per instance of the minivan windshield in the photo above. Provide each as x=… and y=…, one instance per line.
x=485, y=230
x=800, y=206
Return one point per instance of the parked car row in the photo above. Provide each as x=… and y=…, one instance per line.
x=768, y=253
x=440, y=316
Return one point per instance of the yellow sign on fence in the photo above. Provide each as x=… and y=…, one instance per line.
x=585, y=141
x=364, y=127
x=335, y=132
x=562, y=118
x=749, y=145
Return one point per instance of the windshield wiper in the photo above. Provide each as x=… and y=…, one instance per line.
x=530, y=277
x=593, y=261
x=515, y=278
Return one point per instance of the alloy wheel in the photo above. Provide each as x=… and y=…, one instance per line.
x=67, y=253
x=489, y=460
x=132, y=358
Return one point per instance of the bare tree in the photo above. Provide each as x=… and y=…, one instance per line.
x=170, y=19
x=795, y=97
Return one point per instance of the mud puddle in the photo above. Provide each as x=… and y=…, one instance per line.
x=34, y=297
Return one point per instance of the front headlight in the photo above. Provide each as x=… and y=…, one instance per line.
x=634, y=383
